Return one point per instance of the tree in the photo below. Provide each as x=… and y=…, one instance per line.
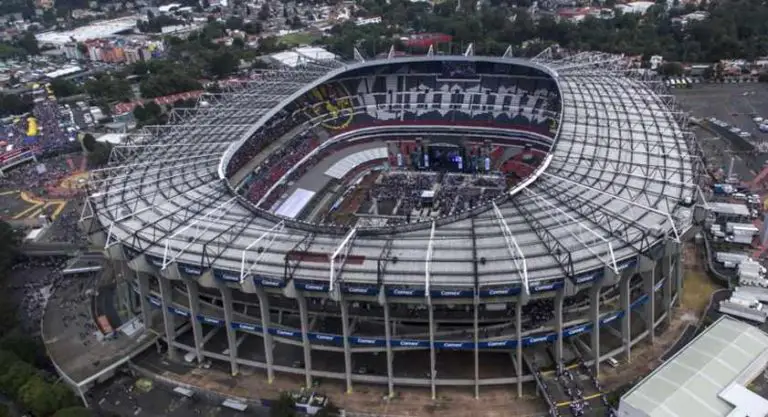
x=238, y=43
x=15, y=377
x=65, y=88
x=35, y=396
x=26, y=348
x=284, y=406
x=252, y=28
x=223, y=64
x=73, y=412
x=9, y=244
x=264, y=12
x=28, y=42
x=100, y=154
x=89, y=142
x=330, y=410
x=14, y=105
x=671, y=69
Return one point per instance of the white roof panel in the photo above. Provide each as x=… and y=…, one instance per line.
x=698, y=379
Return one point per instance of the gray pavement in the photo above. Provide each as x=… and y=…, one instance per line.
x=70, y=333
x=128, y=396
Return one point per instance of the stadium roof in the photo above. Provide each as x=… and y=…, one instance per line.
x=614, y=186
x=95, y=30
x=707, y=378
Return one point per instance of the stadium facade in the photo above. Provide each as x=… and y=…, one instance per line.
x=586, y=248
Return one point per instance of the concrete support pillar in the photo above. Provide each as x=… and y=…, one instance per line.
x=626, y=318
x=476, y=338
x=146, y=308
x=680, y=275
x=432, y=354
x=169, y=319
x=193, y=294
x=649, y=309
x=226, y=298
x=667, y=289
x=519, y=347
x=345, y=333
x=594, y=315
x=266, y=336
x=390, y=356
x=305, y=338
x=559, y=299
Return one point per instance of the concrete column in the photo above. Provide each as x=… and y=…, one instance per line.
x=169, y=319
x=626, y=323
x=347, y=352
x=146, y=308
x=649, y=282
x=667, y=289
x=432, y=355
x=680, y=275
x=559, y=299
x=476, y=337
x=226, y=298
x=305, y=338
x=265, y=323
x=519, y=347
x=390, y=356
x=594, y=314
x=193, y=293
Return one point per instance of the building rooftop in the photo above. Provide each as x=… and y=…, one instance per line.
x=301, y=55
x=708, y=377
x=94, y=30
x=729, y=208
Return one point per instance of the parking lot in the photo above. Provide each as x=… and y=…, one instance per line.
x=722, y=108
x=735, y=104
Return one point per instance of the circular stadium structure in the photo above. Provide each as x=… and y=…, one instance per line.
x=412, y=221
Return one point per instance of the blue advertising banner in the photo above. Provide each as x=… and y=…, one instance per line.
x=311, y=286
x=178, y=312
x=322, y=337
x=268, y=282
x=405, y=292
x=359, y=290
x=452, y=293
x=188, y=269
x=551, y=286
x=499, y=292
x=154, y=260
x=225, y=275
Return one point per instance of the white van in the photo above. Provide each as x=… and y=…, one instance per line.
x=612, y=362
x=190, y=357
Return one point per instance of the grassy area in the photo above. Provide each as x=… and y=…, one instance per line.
x=697, y=288
x=295, y=39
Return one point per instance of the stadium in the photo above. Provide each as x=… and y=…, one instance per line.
x=417, y=221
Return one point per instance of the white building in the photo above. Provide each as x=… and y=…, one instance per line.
x=301, y=55
x=708, y=377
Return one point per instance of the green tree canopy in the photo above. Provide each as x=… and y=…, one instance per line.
x=73, y=412
x=284, y=406
x=65, y=88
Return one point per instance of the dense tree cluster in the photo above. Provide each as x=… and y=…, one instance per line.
x=96, y=152
x=735, y=29
x=109, y=88
x=22, y=357
x=165, y=77
x=14, y=104
x=65, y=88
